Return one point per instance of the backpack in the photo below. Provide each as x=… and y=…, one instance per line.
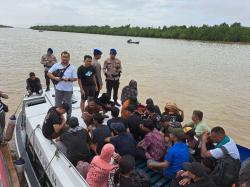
x=140, y=178
x=226, y=170
x=59, y=73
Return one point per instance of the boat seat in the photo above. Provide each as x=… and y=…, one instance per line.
x=157, y=179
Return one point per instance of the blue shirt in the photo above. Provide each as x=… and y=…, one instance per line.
x=176, y=156
x=69, y=73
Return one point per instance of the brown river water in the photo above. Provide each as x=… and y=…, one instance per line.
x=212, y=77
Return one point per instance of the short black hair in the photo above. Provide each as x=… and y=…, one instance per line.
x=149, y=101
x=65, y=106
x=218, y=130
x=87, y=56
x=148, y=123
x=151, y=108
x=98, y=117
x=198, y=113
x=32, y=74
x=115, y=111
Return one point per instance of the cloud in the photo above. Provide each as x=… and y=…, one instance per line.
x=115, y=13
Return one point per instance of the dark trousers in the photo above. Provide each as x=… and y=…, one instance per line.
x=112, y=84
x=98, y=91
x=36, y=88
x=47, y=79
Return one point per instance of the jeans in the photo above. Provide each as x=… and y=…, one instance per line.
x=112, y=84
x=64, y=97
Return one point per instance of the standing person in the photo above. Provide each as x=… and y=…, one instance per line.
x=64, y=86
x=48, y=60
x=33, y=84
x=86, y=81
x=98, y=70
x=112, y=69
x=2, y=115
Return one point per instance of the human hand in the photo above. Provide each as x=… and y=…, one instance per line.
x=185, y=181
x=204, y=136
x=57, y=78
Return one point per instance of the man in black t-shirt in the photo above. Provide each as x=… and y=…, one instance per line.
x=115, y=117
x=77, y=142
x=33, y=84
x=54, y=121
x=86, y=80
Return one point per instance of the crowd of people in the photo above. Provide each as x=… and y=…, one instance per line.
x=189, y=154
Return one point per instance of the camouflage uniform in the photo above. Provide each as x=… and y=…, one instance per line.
x=48, y=61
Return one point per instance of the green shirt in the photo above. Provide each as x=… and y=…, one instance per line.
x=200, y=128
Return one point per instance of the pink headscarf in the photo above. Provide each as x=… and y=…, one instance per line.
x=100, y=167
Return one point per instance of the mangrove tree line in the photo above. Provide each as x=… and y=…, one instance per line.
x=223, y=32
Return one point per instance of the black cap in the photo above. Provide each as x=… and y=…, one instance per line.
x=118, y=127
x=196, y=168
x=73, y=122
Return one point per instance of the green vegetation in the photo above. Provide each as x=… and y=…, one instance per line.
x=222, y=32
x=4, y=26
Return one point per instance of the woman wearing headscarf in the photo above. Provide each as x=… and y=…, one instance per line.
x=174, y=112
x=100, y=167
x=129, y=91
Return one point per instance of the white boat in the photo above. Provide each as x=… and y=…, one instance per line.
x=44, y=165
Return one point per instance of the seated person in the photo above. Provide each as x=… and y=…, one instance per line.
x=175, y=157
x=130, y=101
x=127, y=176
x=152, y=115
x=104, y=102
x=33, y=84
x=115, y=116
x=123, y=141
x=174, y=111
x=193, y=143
x=100, y=167
x=89, y=111
x=77, y=142
x=150, y=101
x=194, y=175
x=54, y=121
x=129, y=91
x=100, y=132
x=219, y=137
x=133, y=122
x=152, y=146
x=198, y=123
x=244, y=177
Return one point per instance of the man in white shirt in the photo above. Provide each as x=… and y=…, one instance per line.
x=219, y=137
x=63, y=74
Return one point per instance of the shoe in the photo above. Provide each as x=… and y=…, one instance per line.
x=117, y=104
x=47, y=89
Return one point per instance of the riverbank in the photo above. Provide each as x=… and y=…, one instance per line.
x=5, y=26
x=221, y=33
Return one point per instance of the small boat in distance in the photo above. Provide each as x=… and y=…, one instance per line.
x=131, y=42
x=40, y=30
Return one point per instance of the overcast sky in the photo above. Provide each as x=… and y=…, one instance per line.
x=25, y=13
